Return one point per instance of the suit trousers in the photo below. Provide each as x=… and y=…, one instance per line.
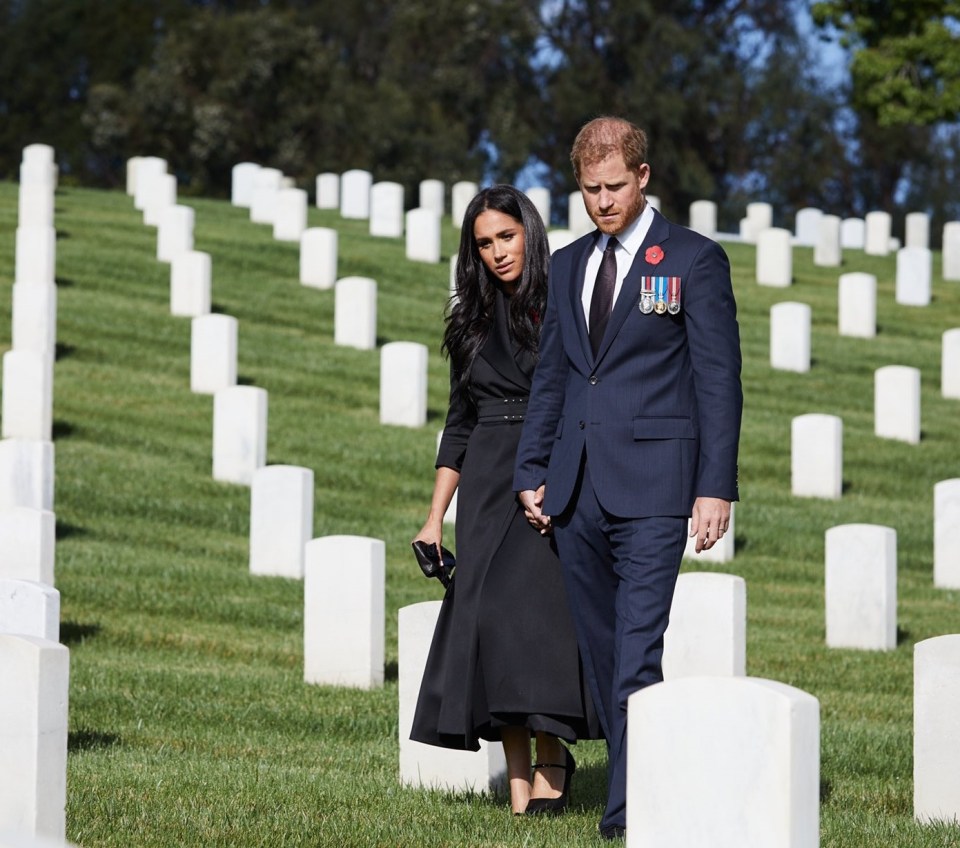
x=620, y=575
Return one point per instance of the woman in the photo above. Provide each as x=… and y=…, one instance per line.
x=504, y=662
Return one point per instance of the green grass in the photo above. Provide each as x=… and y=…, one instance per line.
x=189, y=720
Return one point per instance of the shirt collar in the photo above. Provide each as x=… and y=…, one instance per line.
x=632, y=237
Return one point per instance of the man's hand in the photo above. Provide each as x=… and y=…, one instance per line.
x=710, y=519
x=531, y=501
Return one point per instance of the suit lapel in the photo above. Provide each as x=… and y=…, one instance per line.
x=576, y=298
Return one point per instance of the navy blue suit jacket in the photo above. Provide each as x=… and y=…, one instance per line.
x=659, y=409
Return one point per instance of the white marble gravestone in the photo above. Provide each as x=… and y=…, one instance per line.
x=951, y=250
x=429, y=766
x=386, y=210
x=876, y=238
x=328, y=190
x=896, y=403
x=27, y=395
x=133, y=163
x=175, y=232
x=28, y=542
x=318, y=257
x=946, y=532
x=149, y=170
x=578, y=219
x=35, y=204
x=34, y=318
x=857, y=305
x=355, y=194
x=936, y=734
x=431, y=196
x=344, y=608
x=239, y=433
x=703, y=218
x=460, y=196
x=33, y=735
x=403, y=384
x=266, y=189
x=827, y=252
x=559, y=238
x=36, y=258
x=722, y=551
x=213, y=353
x=243, y=177
x=423, y=235
x=281, y=519
x=291, y=217
x=190, y=284
x=816, y=456
x=26, y=474
x=355, y=313
x=759, y=217
x=790, y=336
x=807, y=230
x=707, y=634
x=540, y=198
x=654, y=201
x=29, y=608
x=914, y=273
x=917, y=230
x=860, y=587
x=950, y=364
x=853, y=233
x=723, y=762
x=774, y=257
x=40, y=160
x=162, y=194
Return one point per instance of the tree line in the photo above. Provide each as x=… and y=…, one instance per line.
x=733, y=101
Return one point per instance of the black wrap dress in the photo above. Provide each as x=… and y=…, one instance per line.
x=504, y=650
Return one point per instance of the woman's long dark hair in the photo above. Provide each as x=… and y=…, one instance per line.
x=471, y=316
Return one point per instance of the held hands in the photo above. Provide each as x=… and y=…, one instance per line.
x=531, y=502
x=710, y=519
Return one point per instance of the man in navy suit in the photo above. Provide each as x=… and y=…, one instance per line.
x=632, y=428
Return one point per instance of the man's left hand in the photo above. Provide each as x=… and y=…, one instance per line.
x=710, y=519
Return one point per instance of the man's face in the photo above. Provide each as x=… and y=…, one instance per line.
x=612, y=193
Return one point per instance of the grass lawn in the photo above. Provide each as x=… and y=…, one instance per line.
x=190, y=723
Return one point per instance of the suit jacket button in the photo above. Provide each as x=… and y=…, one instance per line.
x=581, y=425
x=593, y=380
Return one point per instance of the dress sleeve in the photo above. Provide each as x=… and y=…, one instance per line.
x=461, y=419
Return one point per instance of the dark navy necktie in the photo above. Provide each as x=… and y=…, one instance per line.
x=602, y=300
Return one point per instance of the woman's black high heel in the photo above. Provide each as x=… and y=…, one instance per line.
x=553, y=806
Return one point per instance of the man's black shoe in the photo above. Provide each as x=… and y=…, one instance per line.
x=613, y=831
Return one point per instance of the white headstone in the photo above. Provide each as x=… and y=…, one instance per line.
x=917, y=230
x=328, y=190
x=857, y=305
x=946, y=532
x=759, y=217
x=896, y=403
x=460, y=196
x=243, y=177
x=344, y=608
x=355, y=194
x=318, y=257
x=35, y=205
x=816, y=456
x=790, y=336
x=149, y=170
x=36, y=260
x=774, y=257
x=213, y=353
x=26, y=474
x=876, y=240
x=9, y=839
x=722, y=551
x=853, y=233
x=950, y=364
x=936, y=740
x=914, y=272
x=355, y=313
x=540, y=198
x=827, y=252
x=29, y=608
x=281, y=519
x=403, y=384
x=808, y=226
x=27, y=395
x=175, y=233
x=724, y=762
x=951, y=250
x=38, y=152
x=239, y=433
x=578, y=219
x=423, y=235
x=430, y=766
x=654, y=201
x=431, y=196
x=190, y=284
x=707, y=634
x=35, y=317
x=861, y=587
x=266, y=189
x=162, y=194
x=131, y=174
x=559, y=238
x=291, y=217
x=453, y=276
x=33, y=735
x=703, y=218
x=28, y=542
x=386, y=210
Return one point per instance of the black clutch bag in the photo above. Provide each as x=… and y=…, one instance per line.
x=433, y=564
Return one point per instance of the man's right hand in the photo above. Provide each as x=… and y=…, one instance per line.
x=531, y=502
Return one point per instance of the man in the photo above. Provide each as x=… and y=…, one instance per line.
x=633, y=423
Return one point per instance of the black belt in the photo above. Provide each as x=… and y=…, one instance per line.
x=501, y=409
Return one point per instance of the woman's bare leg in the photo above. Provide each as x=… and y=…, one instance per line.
x=548, y=782
x=516, y=749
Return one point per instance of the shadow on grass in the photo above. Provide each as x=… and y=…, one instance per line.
x=91, y=740
x=390, y=672
x=826, y=790
x=64, y=282
x=244, y=380
x=74, y=633
x=904, y=637
x=65, y=530
x=62, y=351
x=62, y=430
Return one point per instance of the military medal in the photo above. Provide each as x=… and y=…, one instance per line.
x=661, y=305
x=646, y=295
x=673, y=295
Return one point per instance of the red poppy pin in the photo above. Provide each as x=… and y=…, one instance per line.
x=654, y=254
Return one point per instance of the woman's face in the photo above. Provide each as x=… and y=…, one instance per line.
x=499, y=239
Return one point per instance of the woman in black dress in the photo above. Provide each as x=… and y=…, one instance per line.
x=504, y=663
